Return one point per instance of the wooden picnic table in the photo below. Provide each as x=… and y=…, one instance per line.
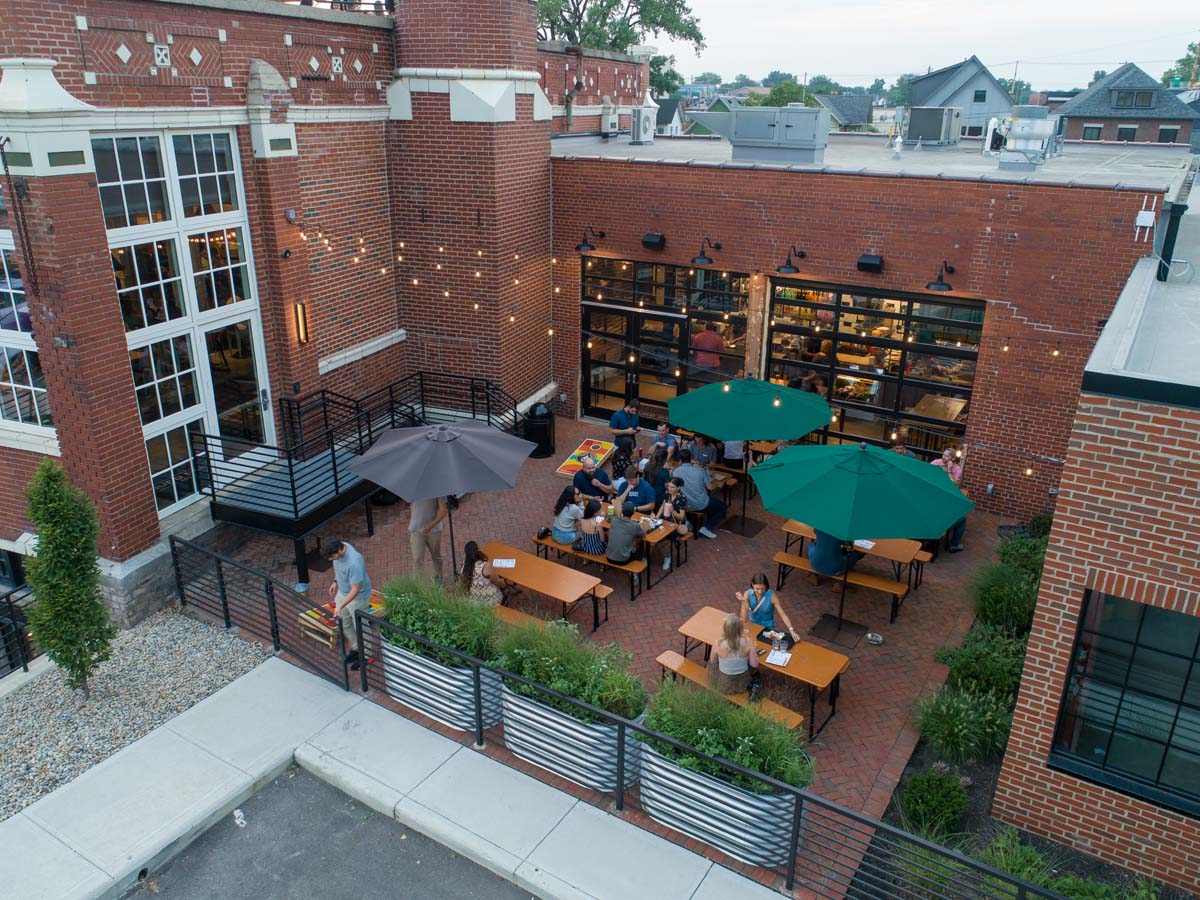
x=649, y=540
x=566, y=585
x=814, y=666
x=900, y=552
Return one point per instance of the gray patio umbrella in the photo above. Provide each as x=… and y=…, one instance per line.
x=430, y=461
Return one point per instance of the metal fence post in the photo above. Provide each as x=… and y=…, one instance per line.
x=362, y=649
x=18, y=631
x=178, y=571
x=270, y=588
x=794, y=845
x=620, y=790
x=477, y=688
x=341, y=642
x=221, y=592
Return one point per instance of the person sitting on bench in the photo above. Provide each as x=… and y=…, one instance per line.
x=623, y=534
x=591, y=538
x=760, y=605
x=732, y=665
x=829, y=557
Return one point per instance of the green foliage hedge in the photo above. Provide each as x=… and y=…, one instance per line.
x=934, y=802
x=424, y=607
x=1027, y=554
x=1005, y=597
x=963, y=724
x=713, y=725
x=989, y=661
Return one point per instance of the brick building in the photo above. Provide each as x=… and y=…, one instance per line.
x=1127, y=105
x=1105, y=749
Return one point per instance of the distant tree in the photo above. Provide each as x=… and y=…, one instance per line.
x=664, y=78
x=68, y=617
x=781, y=95
x=1186, y=68
x=708, y=78
x=900, y=93
x=1097, y=75
x=1019, y=90
x=742, y=80
x=617, y=24
x=776, y=77
x=878, y=86
x=823, y=84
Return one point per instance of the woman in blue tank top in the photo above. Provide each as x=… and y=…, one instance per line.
x=760, y=605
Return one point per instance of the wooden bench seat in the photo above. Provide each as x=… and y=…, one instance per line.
x=898, y=590
x=511, y=616
x=679, y=665
x=635, y=568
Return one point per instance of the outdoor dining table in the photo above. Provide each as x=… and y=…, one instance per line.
x=817, y=668
x=566, y=585
x=651, y=539
x=900, y=552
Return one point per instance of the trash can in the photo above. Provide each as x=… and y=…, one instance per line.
x=539, y=428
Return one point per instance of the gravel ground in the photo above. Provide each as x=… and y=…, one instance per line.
x=165, y=665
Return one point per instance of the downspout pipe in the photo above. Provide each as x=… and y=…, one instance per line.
x=1174, y=214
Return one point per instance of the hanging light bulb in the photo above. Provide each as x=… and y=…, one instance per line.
x=1029, y=470
x=416, y=281
x=445, y=293
x=642, y=303
x=677, y=373
x=725, y=387
x=1057, y=344
x=516, y=256
x=910, y=338
x=684, y=310
x=477, y=306
x=632, y=358
x=777, y=402
x=512, y=319
x=958, y=343
x=1005, y=347
x=958, y=453
x=383, y=271
x=441, y=249
x=477, y=252
x=772, y=323
x=895, y=434
x=589, y=345
x=516, y=281
x=726, y=317
x=402, y=245
x=399, y=258
x=599, y=296
x=557, y=289
x=356, y=259
x=439, y=267
x=554, y=260
x=477, y=274
x=550, y=331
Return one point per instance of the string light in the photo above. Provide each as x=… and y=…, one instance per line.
x=445, y=293
x=441, y=249
x=477, y=274
x=516, y=256
x=402, y=245
x=557, y=289
x=1005, y=347
x=554, y=260
x=383, y=270
x=512, y=319
x=439, y=267
x=677, y=373
x=777, y=402
x=550, y=331
x=1029, y=469
x=632, y=358
x=399, y=258
x=1057, y=345
x=589, y=345
x=477, y=306
x=516, y=281
x=725, y=387
x=416, y=281
x=477, y=252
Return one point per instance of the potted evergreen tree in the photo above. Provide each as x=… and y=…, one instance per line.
x=68, y=618
x=438, y=684
x=556, y=735
x=738, y=815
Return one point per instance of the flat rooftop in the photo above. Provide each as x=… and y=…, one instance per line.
x=1129, y=167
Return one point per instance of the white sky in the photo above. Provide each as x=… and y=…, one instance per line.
x=1059, y=43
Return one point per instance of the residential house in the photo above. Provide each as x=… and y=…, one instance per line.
x=721, y=104
x=1128, y=105
x=670, y=117
x=969, y=86
x=753, y=90
x=847, y=112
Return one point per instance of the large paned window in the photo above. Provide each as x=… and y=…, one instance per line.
x=889, y=364
x=184, y=278
x=1130, y=716
x=23, y=398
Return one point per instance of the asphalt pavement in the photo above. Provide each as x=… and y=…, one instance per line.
x=300, y=838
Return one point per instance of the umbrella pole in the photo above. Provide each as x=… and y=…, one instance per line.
x=453, y=553
x=842, y=599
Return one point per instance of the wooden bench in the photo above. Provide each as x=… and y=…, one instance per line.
x=679, y=665
x=635, y=568
x=510, y=616
x=897, y=589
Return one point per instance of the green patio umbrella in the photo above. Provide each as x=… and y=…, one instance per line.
x=749, y=409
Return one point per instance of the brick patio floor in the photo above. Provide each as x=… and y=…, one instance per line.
x=861, y=754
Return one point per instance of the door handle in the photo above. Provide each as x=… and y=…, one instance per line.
x=262, y=399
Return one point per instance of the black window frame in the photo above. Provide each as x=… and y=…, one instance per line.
x=1174, y=137
x=1085, y=767
x=1099, y=129
x=977, y=98
x=1139, y=95
x=1125, y=128
x=1123, y=99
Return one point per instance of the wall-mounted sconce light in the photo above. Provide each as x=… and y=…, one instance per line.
x=586, y=246
x=787, y=268
x=702, y=259
x=940, y=284
x=870, y=262
x=301, y=312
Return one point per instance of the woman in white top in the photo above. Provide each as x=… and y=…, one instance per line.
x=568, y=510
x=733, y=661
x=476, y=577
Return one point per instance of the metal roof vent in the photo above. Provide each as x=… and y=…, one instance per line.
x=788, y=134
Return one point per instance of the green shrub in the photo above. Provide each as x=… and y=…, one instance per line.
x=1089, y=889
x=1039, y=525
x=930, y=875
x=934, y=802
x=1026, y=554
x=1005, y=597
x=713, y=725
x=989, y=661
x=963, y=724
x=1008, y=854
x=423, y=607
x=553, y=655
x=68, y=619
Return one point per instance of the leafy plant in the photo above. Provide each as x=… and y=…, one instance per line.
x=934, y=802
x=1005, y=597
x=1008, y=854
x=990, y=660
x=553, y=656
x=1027, y=554
x=716, y=727
x=1039, y=525
x=68, y=619
x=963, y=724
x=423, y=607
x=927, y=874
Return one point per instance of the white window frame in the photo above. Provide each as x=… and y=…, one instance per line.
x=24, y=435
x=195, y=323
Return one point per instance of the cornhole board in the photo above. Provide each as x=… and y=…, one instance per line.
x=320, y=623
x=602, y=450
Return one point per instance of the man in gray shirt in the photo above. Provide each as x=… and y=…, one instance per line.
x=696, y=486
x=623, y=533
x=425, y=533
x=351, y=590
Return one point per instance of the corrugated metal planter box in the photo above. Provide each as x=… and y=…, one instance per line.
x=754, y=828
x=445, y=693
x=581, y=752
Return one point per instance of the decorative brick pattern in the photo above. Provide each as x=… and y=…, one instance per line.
x=1126, y=523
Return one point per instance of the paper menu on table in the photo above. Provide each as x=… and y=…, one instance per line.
x=504, y=563
x=778, y=658
x=865, y=545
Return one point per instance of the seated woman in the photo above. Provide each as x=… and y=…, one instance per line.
x=829, y=557
x=656, y=474
x=731, y=667
x=568, y=510
x=591, y=536
x=673, y=509
x=476, y=577
x=760, y=605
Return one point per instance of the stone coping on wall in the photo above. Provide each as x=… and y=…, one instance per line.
x=279, y=8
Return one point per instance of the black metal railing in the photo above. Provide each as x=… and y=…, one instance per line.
x=19, y=649
x=833, y=851
x=241, y=596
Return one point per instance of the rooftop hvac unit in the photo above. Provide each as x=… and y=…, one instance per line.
x=644, y=121
x=775, y=134
x=610, y=120
x=1029, y=139
x=933, y=125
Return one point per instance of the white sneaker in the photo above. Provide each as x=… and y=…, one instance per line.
x=666, y=564
x=708, y=534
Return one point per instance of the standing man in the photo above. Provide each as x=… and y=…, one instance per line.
x=593, y=482
x=707, y=344
x=696, y=485
x=351, y=590
x=425, y=533
x=624, y=426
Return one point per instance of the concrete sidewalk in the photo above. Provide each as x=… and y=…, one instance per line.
x=91, y=838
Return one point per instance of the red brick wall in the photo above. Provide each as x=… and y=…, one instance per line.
x=623, y=81
x=16, y=469
x=1147, y=129
x=491, y=34
x=1049, y=261
x=1126, y=524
